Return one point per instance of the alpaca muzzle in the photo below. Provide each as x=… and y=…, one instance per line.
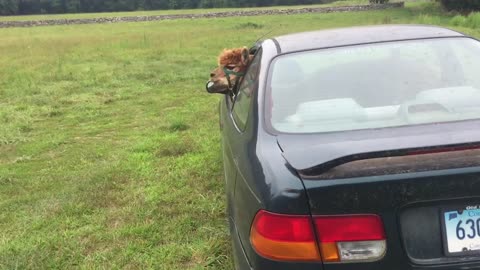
x=210, y=87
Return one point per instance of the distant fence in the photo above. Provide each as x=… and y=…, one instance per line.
x=5, y=24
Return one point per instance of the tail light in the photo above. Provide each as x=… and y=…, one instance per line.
x=353, y=238
x=284, y=237
x=350, y=238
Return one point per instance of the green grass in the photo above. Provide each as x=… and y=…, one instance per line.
x=167, y=12
x=109, y=146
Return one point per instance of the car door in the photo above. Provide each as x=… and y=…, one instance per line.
x=236, y=112
x=228, y=130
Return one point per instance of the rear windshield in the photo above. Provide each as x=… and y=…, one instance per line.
x=375, y=86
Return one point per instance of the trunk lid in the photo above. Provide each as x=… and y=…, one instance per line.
x=321, y=152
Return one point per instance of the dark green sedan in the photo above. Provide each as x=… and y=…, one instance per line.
x=356, y=149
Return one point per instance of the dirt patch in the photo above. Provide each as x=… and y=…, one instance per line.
x=5, y=24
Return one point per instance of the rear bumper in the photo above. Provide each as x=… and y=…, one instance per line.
x=465, y=266
x=370, y=267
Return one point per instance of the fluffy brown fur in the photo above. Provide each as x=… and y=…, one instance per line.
x=231, y=56
x=233, y=59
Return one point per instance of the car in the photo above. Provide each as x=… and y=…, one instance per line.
x=355, y=149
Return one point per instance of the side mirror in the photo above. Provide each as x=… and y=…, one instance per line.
x=210, y=86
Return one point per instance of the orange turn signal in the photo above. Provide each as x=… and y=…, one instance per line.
x=329, y=252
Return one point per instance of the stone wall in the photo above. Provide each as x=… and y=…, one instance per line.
x=4, y=24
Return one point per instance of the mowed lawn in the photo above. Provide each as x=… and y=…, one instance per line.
x=110, y=151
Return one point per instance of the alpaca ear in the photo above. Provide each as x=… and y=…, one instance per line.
x=245, y=56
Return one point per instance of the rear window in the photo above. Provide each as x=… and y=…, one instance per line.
x=375, y=86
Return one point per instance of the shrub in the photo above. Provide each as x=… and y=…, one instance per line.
x=461, y=5
x=473, y=20
x=378, y=1
x=458, y=20
x=470, y=21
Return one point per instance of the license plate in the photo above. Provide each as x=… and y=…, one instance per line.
x=462, y=231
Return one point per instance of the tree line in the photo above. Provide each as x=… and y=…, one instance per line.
x=461, y=5
x=20, y=7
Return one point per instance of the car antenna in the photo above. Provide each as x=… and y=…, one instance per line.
x=264, y=35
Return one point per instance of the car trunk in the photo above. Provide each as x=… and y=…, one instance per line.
x=412, y=193
x=410, y=206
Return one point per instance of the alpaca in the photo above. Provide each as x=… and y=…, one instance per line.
x=232, y=64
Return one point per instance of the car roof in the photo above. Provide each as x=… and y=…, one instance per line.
x=358, y=35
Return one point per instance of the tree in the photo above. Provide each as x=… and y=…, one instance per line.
x=13, y=7
x=8, y=7
x=464, y=5
x=73, y=6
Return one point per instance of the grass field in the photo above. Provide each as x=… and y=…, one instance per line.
x=109, y=145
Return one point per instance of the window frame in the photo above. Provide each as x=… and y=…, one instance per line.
x=237, y=122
